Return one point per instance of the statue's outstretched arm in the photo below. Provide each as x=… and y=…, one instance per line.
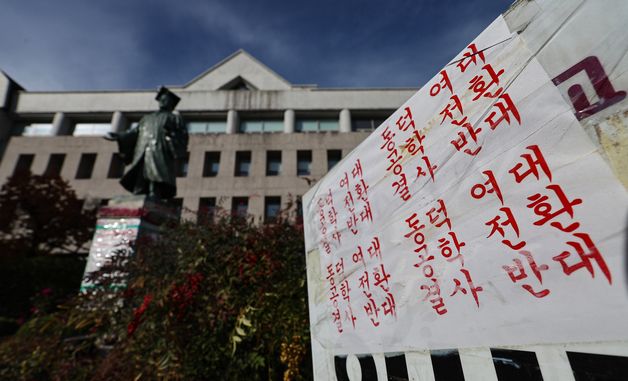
x=111, y=136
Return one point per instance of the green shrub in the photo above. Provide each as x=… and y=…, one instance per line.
x=43, y=228
x=29, y=285
x=8, y=326
x=220, y=301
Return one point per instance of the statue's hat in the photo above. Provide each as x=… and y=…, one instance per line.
x=164, y=90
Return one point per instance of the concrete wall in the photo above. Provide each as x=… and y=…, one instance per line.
x=8, y=90
x=272, y=96
x=30, y=104
x=191, y=188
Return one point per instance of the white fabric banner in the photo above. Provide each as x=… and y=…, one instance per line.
x=478, y=214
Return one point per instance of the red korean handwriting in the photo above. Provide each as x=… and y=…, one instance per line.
x=442, y=83
x=485, y=84
x=552, y=207
x=333, y=296
x=394, y=155
x=502, y=111
x=518, y=273
x=586, y=253
x=449, y=246
x=356, y=201
x=469, y=285
x=413, y=145
x=375, y=284
x=471, y=56
x=553, y=203
x=331, y=237
x=478, y=191
x=502, y=221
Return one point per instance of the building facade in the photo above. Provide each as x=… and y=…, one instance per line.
x=257, y=142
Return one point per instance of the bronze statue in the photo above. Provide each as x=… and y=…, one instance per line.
x=152, y=149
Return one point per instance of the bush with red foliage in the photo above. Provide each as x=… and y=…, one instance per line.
x=224, y=300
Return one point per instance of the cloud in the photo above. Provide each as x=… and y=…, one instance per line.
x=59, y=49
x=404, y=65
x=117, y=44
x=236, y=29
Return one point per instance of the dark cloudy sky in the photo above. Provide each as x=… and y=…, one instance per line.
x=133, y=44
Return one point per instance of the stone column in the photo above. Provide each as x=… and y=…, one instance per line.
x=288, y=121
x=119, y=122
x=6, y=125
x=232, y=122
x=61, y=125
x=7, y=89
x=345, y=120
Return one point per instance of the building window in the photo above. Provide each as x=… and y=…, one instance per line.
x=207, y=127
x=211, y=164
x=243, y=163
x=116, y=167
x=256, y=126
x=304, y=163
x=206, y=209
x=86, y=166
x=55, y=163
x=183, y=165
x=273, y=163
x=23, y=165
x=366, y=124
x=91, y=129
x=333, y=157
x=177, y=205
x=239, y=206
x=316, y=125
x=272, y=206
x=38, y=129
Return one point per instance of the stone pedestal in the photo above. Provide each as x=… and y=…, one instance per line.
x=120, y=223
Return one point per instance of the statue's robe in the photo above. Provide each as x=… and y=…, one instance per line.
x=151, y=150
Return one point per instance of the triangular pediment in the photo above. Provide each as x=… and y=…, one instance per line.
x=239, y=71
x=7, y=86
